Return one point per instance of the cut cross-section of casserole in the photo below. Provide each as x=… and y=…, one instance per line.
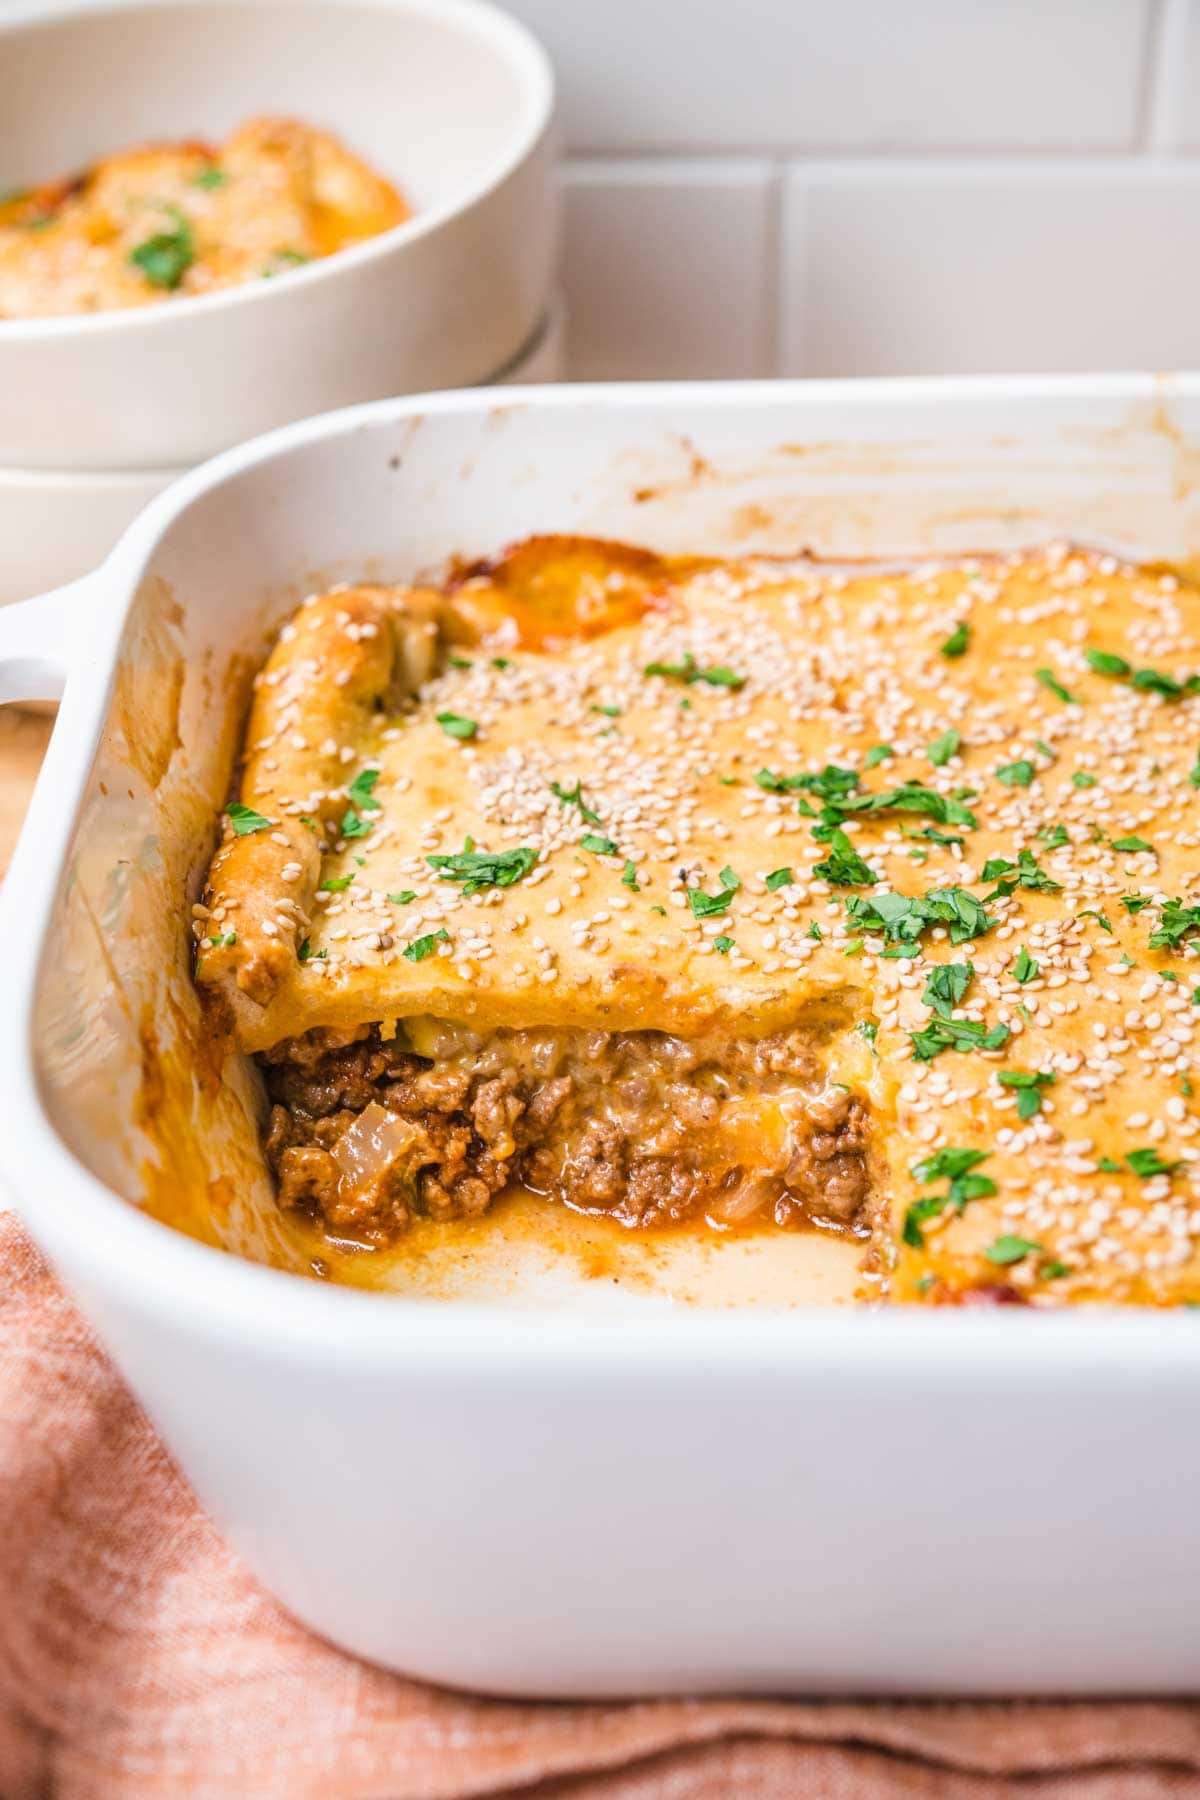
x=740, y=893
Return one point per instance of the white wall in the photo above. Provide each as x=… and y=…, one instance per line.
x=869, y=186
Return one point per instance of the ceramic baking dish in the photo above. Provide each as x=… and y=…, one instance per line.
x=559, y=1487
x=452, y=100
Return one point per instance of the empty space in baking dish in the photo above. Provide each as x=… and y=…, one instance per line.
x=129, y=1075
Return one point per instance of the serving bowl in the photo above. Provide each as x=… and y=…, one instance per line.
x=451, y=99
x=57, y=524
x=556, y=1485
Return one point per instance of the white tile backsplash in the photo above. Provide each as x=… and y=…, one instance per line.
x=1180, y=75
x=1019, y=267
x=785, y=75
x=866, y=186
x=670, y=269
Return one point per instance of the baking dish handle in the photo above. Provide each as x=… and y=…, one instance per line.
x=38, y=638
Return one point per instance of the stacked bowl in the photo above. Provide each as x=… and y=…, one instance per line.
x=451, y=100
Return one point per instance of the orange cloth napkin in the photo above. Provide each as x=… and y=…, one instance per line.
x=139, y=1659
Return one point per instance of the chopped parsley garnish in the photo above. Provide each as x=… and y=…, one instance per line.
x=710, y=906
x=1147, y=1163
x=944, y=747
x=1152, y=681
x=629, y=877
x=610, y=712
x=165, y=258
x=336, y=884
x=779, y=878
x=1016, y=774
x=459, y=662
x=230, y=937
x=1131, y=844
x=1025, y=968
x=455, y=726
x=844, y=867
x=910, y=796
x=830, y=783
x=946, y=986
x=1102, y=919
x=422, y=947
x=1054, y=836
x=1008, y=1249
x=481, y=869
x=1194, y=774
x=689, y=670
x=574, y=797
x=210, y=178
x=1176, y=923
x=1028, y=1085
x=956, y=643
x=1050, y=680
x=659, y=909
x=723, y=945
x=868, y=1028
x=944, y=990
x=280, y=260
x=879, y=753
x=901, y=918
x=1081, y=779
x=1024, y=873
x=244, y=819
x=955, y=1167
x=306, y=953
x=501, y=662
x=1105, y=663
x=403, y=899
x=814, y=931
x=600, y=846
x=361, y=792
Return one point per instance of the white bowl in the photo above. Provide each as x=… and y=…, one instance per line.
x=57, y=524
x=451, y=99
x=570, y=1486
x=544, y=358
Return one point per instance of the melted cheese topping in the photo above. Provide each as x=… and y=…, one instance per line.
x=958, y=801
x=187, y=218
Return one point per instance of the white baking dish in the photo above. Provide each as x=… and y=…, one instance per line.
x=555, y=1493
x=453, y=100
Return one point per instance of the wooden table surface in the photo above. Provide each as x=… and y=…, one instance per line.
x=23, y=739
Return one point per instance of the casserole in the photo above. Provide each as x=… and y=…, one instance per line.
x=909, y=1503
x=451, y=100
x=787, y=892
x=186, y=218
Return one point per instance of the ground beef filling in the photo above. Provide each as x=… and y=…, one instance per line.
x=650, y=1129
